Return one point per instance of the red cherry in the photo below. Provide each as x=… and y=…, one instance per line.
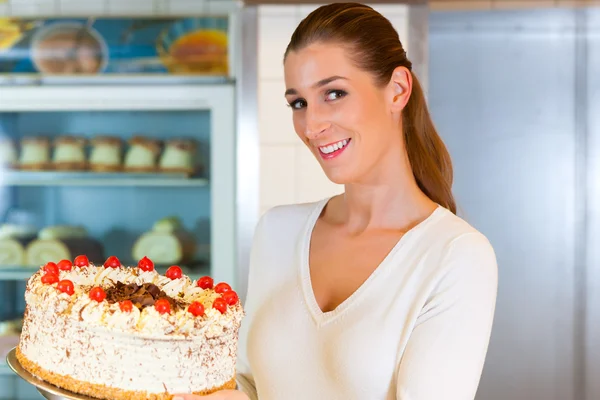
x=126, y=306
x=50, y=278
x=81, y=261
x=66, y=286
x=220, y=305
x=174, y=272
x=97, y=294
x=222, y=288
x=206, y=282
x=146, y=264
x=162, y=306
x=51, y=268
x=65, y=265
x=196, y=309
x=230, y=297
x=112, y=262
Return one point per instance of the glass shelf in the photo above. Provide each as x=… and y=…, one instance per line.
x=52, y=178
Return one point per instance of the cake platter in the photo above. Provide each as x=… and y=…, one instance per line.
x=47, y=390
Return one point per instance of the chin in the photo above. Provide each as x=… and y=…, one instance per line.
x=339, y=176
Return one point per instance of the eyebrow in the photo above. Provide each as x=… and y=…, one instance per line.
x=321, y=83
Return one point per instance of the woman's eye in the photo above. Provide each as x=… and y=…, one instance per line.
x=297, y=104
x=335, y=94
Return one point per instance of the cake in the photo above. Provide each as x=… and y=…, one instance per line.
x=114, y=332
x=35, y=153
x=178, y=156
x=69, y=153
x=106, y=154
x=142, y=154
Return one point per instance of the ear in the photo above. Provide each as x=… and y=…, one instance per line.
x=400, y=88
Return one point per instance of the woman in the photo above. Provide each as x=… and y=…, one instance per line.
x=381, y=292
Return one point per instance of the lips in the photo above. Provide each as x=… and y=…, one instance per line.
x=333, y=150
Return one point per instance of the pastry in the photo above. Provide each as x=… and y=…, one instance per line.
x=179, y=156
x=106, y=154
x=8, y=153
x=166, y=243
x=120, y=333
x=142, y=154
x=35, y=153
x=69, y=153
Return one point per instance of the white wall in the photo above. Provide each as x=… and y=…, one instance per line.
x=289, y=173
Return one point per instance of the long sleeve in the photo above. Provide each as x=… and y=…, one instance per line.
x=445, y=353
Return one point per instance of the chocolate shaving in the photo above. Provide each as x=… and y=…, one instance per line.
x=141, y=296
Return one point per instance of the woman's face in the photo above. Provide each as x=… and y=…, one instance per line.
x=352, y=126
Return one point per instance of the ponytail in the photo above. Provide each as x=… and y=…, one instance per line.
x=428, y=156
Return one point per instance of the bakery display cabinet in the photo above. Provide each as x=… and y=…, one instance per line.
x=118, y=137
x=129, y=171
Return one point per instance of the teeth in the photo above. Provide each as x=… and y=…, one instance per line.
x=333, y=147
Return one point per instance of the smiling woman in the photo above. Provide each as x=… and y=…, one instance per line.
x=381, y=292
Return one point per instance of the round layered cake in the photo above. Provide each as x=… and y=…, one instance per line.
x=116, y=332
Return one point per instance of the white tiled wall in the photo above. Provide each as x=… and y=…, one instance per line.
x=289, y=173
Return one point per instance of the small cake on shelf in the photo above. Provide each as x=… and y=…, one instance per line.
x=62, y=241
x=179, y=157
x=13, y=240
x=168, y=242
x=114, y=332
x=142, y=155
x=106, y=154
x=35, y=153
x=69, y=153
x=9, y=155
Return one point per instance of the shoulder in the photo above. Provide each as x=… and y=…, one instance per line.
x=464, y=252
x=288, y=219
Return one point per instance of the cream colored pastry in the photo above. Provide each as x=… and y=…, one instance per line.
x=142, y=154
x=69, y=153
x=35, y=153
x=97, y=347
x=106, y=154
x=8, y=153
x=178, y=156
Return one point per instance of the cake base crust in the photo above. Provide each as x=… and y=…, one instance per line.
x=106, y=168
x=148, y=169
x=101, y=391
x=70, y=166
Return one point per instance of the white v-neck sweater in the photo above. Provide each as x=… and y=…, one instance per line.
x=417, y=329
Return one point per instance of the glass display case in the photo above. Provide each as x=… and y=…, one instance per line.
x=123, y=170
x=119, y=136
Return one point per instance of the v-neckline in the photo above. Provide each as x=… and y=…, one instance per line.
x=320, y=317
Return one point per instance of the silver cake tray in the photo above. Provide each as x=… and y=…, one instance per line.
x=47, y=390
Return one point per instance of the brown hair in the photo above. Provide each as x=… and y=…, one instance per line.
x=375, y=47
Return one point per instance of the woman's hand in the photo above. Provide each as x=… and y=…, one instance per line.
x=220, y=395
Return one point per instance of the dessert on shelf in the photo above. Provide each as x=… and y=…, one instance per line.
x=69, y=153
x=168, y=242
x=14, y=239
x=106, y=154
x=58, y=242
x=9, y=154
x=35, y=153
x=88, y=329
x=142, y=155
x=179, y=156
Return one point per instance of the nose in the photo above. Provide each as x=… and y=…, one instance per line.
x=316, y=123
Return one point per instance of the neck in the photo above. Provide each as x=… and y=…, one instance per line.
x=392, y=201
